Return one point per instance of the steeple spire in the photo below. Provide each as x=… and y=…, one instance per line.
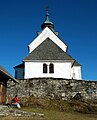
x=47, y=15
x=47, y=22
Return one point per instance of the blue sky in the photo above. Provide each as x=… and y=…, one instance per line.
x=75, y=20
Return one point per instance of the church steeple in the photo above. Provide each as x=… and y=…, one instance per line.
x=47, y=22
x=47, y=15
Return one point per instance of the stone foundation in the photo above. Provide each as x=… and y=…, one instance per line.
x=64, y=89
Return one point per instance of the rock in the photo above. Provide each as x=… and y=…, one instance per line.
x=4, y=111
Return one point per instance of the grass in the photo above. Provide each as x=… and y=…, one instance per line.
x=57, y=110
x=53, y=115
x=81, y=106
x=58, y=115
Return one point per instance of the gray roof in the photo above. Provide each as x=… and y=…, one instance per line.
x=76, y=63
x=4, y=72
x=48, y=50
x=20, y=66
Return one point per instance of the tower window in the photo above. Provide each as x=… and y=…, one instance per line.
x=51, y=68
x=44, y=68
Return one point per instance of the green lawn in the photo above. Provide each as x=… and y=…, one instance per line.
x=53, y=115
x=57, y=115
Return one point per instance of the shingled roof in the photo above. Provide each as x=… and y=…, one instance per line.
x=48, y=50
x=20, y=66
x=4, y=72
x=76, y=63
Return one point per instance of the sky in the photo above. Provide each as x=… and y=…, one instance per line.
x=74, y=20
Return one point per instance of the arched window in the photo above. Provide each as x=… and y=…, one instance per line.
x=44, y=68
x=51, y=68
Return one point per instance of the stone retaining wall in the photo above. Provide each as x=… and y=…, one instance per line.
x=53, y=88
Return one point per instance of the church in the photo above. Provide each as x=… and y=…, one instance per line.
x=47, y=57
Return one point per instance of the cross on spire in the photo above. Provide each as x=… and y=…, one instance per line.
x=47, y=14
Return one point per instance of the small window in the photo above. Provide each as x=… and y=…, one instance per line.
x=51, y=68
x=44, y=68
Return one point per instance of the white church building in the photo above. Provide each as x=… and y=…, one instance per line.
x=48, y=57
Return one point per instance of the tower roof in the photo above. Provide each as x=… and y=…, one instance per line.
x=47, y=22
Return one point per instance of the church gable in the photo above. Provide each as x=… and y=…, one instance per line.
x=43, y=36
x=48, y=50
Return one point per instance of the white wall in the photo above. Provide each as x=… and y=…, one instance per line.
x=35, y=69
x=76, y=72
